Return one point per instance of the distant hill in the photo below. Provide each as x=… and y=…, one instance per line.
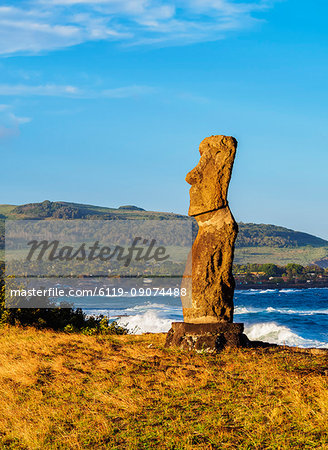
x=261, y=235
x=255, y=241
x=131, y=208
x=66, y=210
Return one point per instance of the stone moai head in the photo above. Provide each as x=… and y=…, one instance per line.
x=209, y=180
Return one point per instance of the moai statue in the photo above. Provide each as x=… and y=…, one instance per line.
x=208, y=279
x=212, y=252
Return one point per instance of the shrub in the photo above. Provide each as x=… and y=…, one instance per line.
x=62, y=318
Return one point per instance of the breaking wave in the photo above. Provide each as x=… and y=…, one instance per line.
x=266, y=317
x=148, y=322
x=279, y=334
x=151, y=322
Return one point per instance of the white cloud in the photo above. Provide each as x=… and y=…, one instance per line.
x=53, y=90
x=44, y=25
x=29, y=30
x=19, y=120
x=10, y=123
x=41, y=90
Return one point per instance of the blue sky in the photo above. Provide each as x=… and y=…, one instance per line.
x=105, y=102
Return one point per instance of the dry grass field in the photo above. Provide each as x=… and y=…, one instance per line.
x=70, y=391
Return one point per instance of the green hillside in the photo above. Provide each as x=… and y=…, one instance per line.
x=65, y=210
x=261, y=235
x=255, y=243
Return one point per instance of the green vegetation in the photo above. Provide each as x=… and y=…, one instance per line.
x=261, y=235
x=131, y=208
x=50, y=316
x=6, y=211
x=66, y=210
x=282, y=256
x=252, y=273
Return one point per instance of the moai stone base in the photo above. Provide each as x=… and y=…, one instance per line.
x=206, y=337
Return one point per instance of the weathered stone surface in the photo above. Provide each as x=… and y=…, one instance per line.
x=210, y=179
x=208, y=338
x=210, y=263
x=213, y=337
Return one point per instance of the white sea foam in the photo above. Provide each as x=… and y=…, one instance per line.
x=307, y=312
x=246, y=310
x=151, y=322
x=270, y=309
x=147, y=305
x=148, y=322
x=280, y=291
x=258, y=291
x=270, y=291
x=288, y=291
x=279, y=334
x=287, y=311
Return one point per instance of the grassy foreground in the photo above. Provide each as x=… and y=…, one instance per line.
x=63, y=391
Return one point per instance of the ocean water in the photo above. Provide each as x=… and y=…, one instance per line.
x=294, y=317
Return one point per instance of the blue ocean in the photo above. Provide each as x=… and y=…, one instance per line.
x=294, y=317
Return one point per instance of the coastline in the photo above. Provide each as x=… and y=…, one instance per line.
x=268, y=285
